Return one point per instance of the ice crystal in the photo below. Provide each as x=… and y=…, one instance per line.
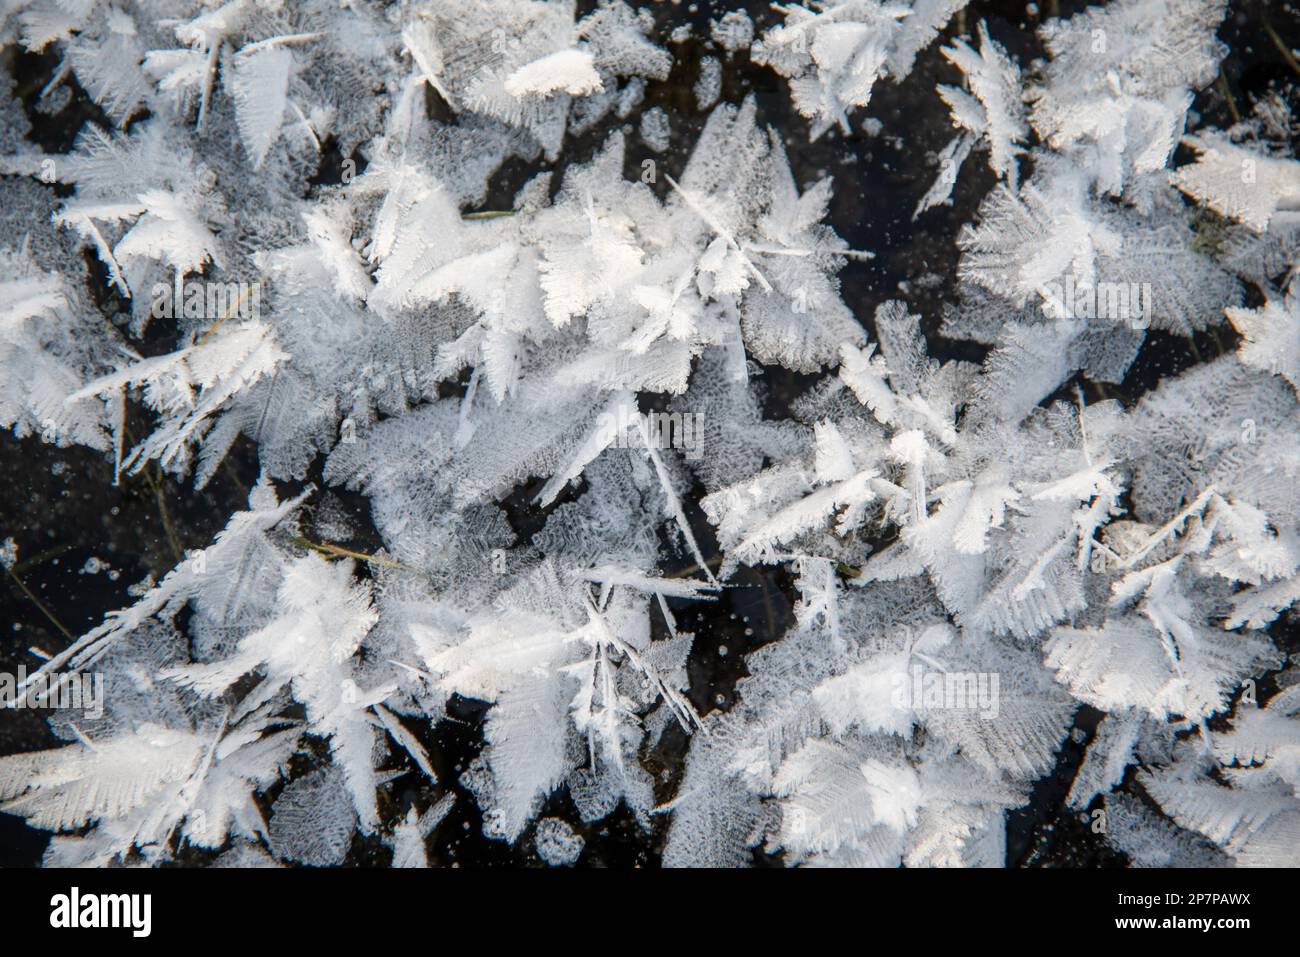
x=585, y=391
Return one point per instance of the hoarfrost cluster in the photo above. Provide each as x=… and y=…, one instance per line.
x=979, y=552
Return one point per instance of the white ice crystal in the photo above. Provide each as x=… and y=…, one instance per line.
x=833, y=53
x=588, y=363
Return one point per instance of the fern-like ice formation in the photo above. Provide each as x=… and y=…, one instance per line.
x=978, y=551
